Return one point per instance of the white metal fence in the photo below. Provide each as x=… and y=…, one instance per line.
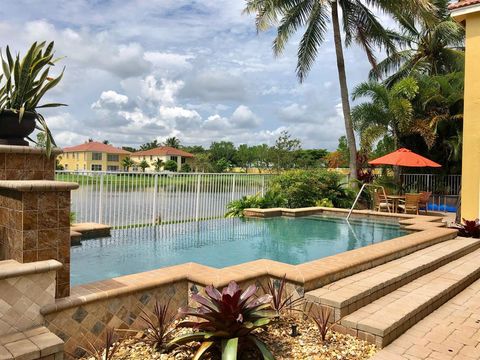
x=126, y=199
x=437, y=184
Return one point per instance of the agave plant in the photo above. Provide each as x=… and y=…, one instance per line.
x=26, y=80
x=226, y=321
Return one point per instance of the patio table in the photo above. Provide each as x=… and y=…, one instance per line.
x=395, y=200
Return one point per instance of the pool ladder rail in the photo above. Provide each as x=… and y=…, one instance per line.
x=360, y=192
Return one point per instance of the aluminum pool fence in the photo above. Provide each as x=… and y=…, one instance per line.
x=126, y=199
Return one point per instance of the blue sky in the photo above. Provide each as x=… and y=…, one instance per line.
x=195, y=69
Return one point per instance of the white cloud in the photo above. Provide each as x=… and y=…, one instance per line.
x=109, y=98
x=164, y=93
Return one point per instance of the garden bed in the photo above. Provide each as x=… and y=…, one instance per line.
x=277, y=336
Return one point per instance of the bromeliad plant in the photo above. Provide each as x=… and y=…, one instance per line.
x=25, y=81
x=469, y=228
x=227, y=320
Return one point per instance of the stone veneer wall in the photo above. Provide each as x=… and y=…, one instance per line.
x=26, y=163
x=24, y=290
x=84, y=323
x=35, y=226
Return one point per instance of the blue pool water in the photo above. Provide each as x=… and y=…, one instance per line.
x=224, y=242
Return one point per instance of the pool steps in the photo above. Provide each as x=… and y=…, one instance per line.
x=381, y=303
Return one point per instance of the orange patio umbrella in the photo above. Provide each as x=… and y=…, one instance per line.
x=404, y=157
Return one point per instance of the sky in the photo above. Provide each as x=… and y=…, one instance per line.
x=139, y=70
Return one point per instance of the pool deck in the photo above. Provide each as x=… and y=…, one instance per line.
x=428, y=230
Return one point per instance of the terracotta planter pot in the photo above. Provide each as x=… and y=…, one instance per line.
x=13, y=132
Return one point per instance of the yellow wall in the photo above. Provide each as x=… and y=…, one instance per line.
x=151, y=159
x=83, y=161
x=471, y=124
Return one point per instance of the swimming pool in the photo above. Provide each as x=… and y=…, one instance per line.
x=224, y=242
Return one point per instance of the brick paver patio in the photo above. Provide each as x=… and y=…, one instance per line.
x=450, y=332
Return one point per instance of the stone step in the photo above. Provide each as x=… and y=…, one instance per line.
x=35, y=343
x=385, y=319
x=351, y=293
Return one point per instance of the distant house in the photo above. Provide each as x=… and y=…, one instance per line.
x=94, y=156
x=164, y=153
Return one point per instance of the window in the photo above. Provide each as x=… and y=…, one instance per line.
x=112, y=168
x=96, y=167
x=151, y=157
x=184, y=160
x=66, y=166
x=112, y=157
x=96, y=156
x=174, y=158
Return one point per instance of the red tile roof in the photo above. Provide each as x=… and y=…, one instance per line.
x=162, y=151
x=95, y=146
x=463, y=3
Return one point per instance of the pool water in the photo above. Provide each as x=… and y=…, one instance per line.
x=223, y=242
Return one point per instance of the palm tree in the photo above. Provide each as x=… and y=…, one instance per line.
x=144, y=165
x=389, y=112
x=172, y=142
x=426, y=47
x=158, y=164
x=127, y=163
x=360, y=25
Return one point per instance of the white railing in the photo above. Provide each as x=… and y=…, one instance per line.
x=437, y=184
x=129, y=199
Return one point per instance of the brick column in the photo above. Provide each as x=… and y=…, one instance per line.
x=34, y=213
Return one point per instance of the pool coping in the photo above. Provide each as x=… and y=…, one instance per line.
x=309, y=275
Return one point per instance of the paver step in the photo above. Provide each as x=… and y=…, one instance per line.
x=351, y=293
x=35, y=343
x=385, y=319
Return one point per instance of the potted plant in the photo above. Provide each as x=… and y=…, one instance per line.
x=22, y=85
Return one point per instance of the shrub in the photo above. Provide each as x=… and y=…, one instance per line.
x=324, y=203
x=302, y=188
x=225, y=320
x=170, y=165
x=469, y=228
x=186, y=168
x=271, y=199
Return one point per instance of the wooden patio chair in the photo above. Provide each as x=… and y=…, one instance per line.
x=380, y=203
x=423, y=201
x=410, y=206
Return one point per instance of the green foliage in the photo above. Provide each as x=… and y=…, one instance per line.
x=272, y=199
x=25, y=81
x=143, y=165
x=172, y=142
x=170, y=165
x=158, y=164
x=302, y=188
x=72, y=217
x=127, y=163
x=226, y=320
x=324, y=203
x=283, y=153
x=186, y=168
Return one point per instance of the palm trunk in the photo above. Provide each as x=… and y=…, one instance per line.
x=396, y=169
x=342, y=77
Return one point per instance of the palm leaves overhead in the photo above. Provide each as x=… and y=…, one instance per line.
x=425, y=47
x=360, y=26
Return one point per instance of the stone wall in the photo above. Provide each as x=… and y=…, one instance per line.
x=26, y=163
x=84, y=323
x=24, y=290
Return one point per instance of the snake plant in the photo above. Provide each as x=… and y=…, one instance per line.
x=26, y=80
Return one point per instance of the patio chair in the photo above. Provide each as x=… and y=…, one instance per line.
x=423, y=201
x=380, y=203
x=410, y=205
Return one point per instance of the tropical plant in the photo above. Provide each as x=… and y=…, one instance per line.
x=127, y=163
x=108, y=348
x=302, y=188
x=272, y=199
x=469, y=228
x=170, y=165
x=143, y=165
x=158, y=164
x=389, y=112
x=282, y=301
x=186, y=168
x=159, y=325
x=172, y=142
x=25, y=81
x=430, y=46
x=321, y=317
x=226, y=320
x=360, y=26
